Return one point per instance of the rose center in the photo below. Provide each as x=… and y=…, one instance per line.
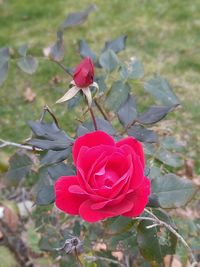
x=107, y=179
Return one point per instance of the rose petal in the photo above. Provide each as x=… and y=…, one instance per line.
x=140, y=199
x=90, y=215
x=65, y=200
x=91, y=140
x=135, y=145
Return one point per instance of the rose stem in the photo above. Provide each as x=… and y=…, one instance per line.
x=93, y=118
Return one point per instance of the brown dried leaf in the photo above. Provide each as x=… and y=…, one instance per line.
x=10, y=217
x=29, y=95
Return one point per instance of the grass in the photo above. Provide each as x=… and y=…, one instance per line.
x=163, y=34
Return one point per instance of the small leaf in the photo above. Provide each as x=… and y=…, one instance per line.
x=109, y=60
x=117, y=96
x=20, y=167
x=133, y=70
x=76, y=18
x=85, y=51
x=117, y=44
x=155, y=243
x=105, y=126
x=170, y=143
x=22, y=50
x=160, y=89
x=173, y=191
x=4, y=55
x=56, y=50
x=45, y=186
x=127, y=113
x=55, y=156
x=100, y=80
x=153, y=114
x=49, y=136
x=3, y=72
x=57, y=170
x=169, y=158
x=117, y=225
x=28, y=64
x=142, y=134
x=153, y=201
x=102, y=125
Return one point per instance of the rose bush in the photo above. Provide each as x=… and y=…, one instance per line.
x=110, y=179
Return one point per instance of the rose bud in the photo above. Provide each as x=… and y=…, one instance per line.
x=82, y=78
x=84, y=73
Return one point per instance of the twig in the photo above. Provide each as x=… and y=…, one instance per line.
x=62, y=67
x=5, y=143
x=158, y=222
x=77, y=257
x=46, y=108
x=106, y=117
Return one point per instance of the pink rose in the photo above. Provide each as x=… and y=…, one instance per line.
x=84, y=73
x=110, y=179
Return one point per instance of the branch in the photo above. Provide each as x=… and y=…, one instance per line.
x=5, y=143
x=157, y=222
x=63, y=67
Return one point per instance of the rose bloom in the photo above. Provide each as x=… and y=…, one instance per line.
x=110, y=179
x=84, y=73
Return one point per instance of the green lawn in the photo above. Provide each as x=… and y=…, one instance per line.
x=163, y=34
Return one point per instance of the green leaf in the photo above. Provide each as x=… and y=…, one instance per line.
x=102, y=125
x=3, y=72
x=169, y=158
x=56, y=50
x=160, y=89
x=109, y=60
x=142, y=134
x=117, y=225
x=20, y=167
x=4, y=57
x=76, y=18
x=22, y=50
x=155, y=243
x=55, y=156
x=173, y=191
x=117, y=44
x=170, y=143
x=85, y=51
x=47, y=176
x=133, y=70
x=153, y=114
x=28, y=64
x=100, y=80
x=117, y=96
x=127, y=113
x=49, y=136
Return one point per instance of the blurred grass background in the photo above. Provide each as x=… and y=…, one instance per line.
x=165, y=35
